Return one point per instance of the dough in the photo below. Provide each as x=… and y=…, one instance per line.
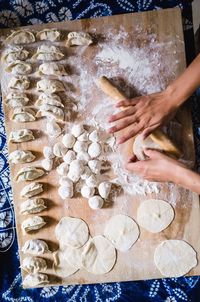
x=53, y=129
x=65, y=191
x=59, y=150
x=86, y=174
x=21, y=157
x=33, y=223
x=34, y=280
x=22, y=135
x=77, y=130
x=80, y=147
x=51, y=34
x=104, y=189
x=35, y=247
x=63, y=169
x=99, y=255
x=34, y=264
x=19, y=83
x=139, y=145
x=73, y=255
x=68, y=140
x=83, y=137
x=23, y=115
x=92, y=181
x=65, y=181
x=94, y=136
x=20, y=37
x=155, y=215
x=95, y=166
x=78, y=38
x=47, y=164
x=83, y=156
x=69, y=156
x=13, y=53
x=94, y=150
x=95, y=202
x=19, y=68
x=72, y=232
x=61, y=266
x=87, y=192
x=76, y=168
x=175, y=258
x=29, y=173
x=122, y=231
x=32, y=206
x=48, y=152
x=32, y=189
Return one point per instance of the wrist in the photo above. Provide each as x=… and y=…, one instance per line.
x=175, y=95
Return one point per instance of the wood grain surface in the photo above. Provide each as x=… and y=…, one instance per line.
x=137, y=263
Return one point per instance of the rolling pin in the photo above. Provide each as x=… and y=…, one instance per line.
x=158, y=136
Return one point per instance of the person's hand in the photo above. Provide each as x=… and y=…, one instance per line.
x=157, y=167
x=143, y=114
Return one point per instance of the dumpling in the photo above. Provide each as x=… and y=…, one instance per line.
x=33, y=280
x=51, y=34
x=19, y=83
x=35, y=247
x=33, y=223
x=34, y=264
x=20, y=37
x=29, y=173
x=51, y=111
x=19, y=68
x=50, y=86
x=59, y=150
x=53, y=129
x=23, y=115
x=78, y=38
x=32, y=206
x=20, y=136
x=48, y=53
x=14, y=53
x=16, y=99
x=46, y=99
x=32, y=189
x=21, y=157
x=52, y=68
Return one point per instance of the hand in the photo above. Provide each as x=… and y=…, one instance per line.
x=145, y=113
x=158, y=167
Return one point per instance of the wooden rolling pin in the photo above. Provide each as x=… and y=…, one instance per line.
x=158, y=136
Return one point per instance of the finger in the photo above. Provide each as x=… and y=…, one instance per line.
x=126, y=103
x=153, y=154
x=123, y=124
x=149, y=130
x=135, y=167
x=136, y=129
x=121, y=114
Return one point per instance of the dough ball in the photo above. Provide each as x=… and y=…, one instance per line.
x=59, y=150
x=139, y=145
x=72, y=232
x=77, y=130
x=122, y=231
x=65, y=181
x=83, y=137
x=95, y=202
x=76, y=168
x=99, y=255
x=92, y=181
x=47, y=164
x=155, y=215
x=86, y=173
x=68, y=140
x=63, y=169
x=65, y=191
x=95, y=166
x=83, y=156
x=69, y=156
x=80, y=147
x=94, y=150
x=104, y=189
x=94, y=136
x=48, y=152
x=87, y=192
x=175, y=258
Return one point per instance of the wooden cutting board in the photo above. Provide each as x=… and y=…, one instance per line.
x=137, y=32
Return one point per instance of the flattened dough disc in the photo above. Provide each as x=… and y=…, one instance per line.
x=99, y=255
x=62, y=267
x=122, y=231
x=72, y=232
x=155, y=215
x=175, y=258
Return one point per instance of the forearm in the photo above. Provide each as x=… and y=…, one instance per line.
x=187, y=179
x=183, y=87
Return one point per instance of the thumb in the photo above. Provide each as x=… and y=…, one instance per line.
x=153, y=154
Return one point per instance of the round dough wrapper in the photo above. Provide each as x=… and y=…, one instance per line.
x=61, y=266
x=99, y=255
x=72, y=232
x=155, y=215
x=122, y=231
x=140, y=144
x=175, y=258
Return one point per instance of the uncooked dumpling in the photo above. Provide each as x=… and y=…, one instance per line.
x=14, y=53
x=78, y=38
x=99, y=255
x=51, y=34
x=72, y=231
x=16, y=99
x=59, y=150
x=175, y=258
x=46, y=99
x=48, y=53
x=65, y=191
x=62, y=169
x=48, y=152
x=32, y=189
x=52, y=68
x=155, y=215
x=35, y=247
x=34, y=280
x=20, y=37
x=53, y=129
x=50, y=86
x=34, y=264
x=29, y=173
x=96, y=202
x=23, y=115
x=68, y=140
x=94, y=150
x=47, y=164
x=20, y=136
x=33, y=223
x=104, y=189
x=122, y=231
x=32, y=206
x=139, y=145
x=19, y=83
x=53, y=112
x=19, y=68
x=21, y=157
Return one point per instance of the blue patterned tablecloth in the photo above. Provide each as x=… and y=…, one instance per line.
x=24, y=12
